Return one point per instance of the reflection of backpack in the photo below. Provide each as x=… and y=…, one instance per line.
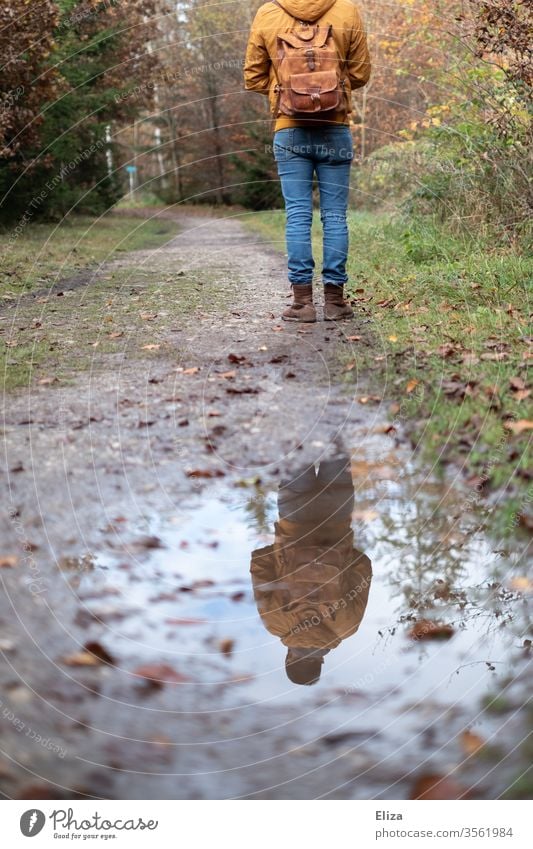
x=309, y=72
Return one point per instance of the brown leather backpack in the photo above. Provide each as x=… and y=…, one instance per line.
x=309, y=74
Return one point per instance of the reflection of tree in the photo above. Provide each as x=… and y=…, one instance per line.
x=440, y=566
x=259, y=510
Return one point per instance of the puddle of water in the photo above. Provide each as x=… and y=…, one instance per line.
x=315, y=542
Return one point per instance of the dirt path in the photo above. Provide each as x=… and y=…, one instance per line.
x=120, y=485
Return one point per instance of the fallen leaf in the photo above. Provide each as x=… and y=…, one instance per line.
x=353, y=338
x=192, y=370
x=526, y=520
x=446, y=350
x=494, y=355
x=227, y=375
x=517, y=383
x=434, y=786
x=236, y=358
x=8, y=561
x=471, y=742
x=148, y=316
x=393, y=338
x=47, y=381
x=81, y=658
x=522, y=394
x=157, y=674
x=518, y=427
x=427, y=629
x=205, y=473
x=369, y=399
x=384, y=428
x=226, y=646
x=411, y=386
x=148, y=541
x=100, y=652
x=150, y=347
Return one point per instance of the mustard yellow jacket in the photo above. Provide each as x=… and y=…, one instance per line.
x=307, y=602
x=261, y=54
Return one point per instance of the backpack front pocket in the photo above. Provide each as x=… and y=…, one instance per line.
x=317, y=91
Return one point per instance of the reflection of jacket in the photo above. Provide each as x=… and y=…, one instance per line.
x=262, y=53
x=311, y=587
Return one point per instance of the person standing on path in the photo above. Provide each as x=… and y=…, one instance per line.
x=307, y=56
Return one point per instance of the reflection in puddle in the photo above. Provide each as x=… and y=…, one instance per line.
x=405, y=655
x=311, y=586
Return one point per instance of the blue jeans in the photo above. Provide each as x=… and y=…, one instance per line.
x=299, y=153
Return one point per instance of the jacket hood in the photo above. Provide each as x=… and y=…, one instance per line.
x=307, y=10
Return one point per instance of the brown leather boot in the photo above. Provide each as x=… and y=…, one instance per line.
x=335, y=306
x=302, y=308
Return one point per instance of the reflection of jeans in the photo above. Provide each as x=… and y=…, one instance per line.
x=328, y=151
x=318, y=497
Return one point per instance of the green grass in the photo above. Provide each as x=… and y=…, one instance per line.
x=43, y=254
x=449, y=341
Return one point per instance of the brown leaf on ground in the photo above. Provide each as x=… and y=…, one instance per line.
x=227, y=375
x=158, y=674
x=471, y=742
x=100, y=652
x=427, y=629
x=411, y=386
x=446, y=350
x=246, y=390
x=185, y=621
x=353, y=338
x=8, y=561
x=434, y=786
x=192, y=370
x=456, y=388
x=148, y=542
x=81, y=658
x=369, y=399
x=226, y=646
x=494, y=355
x=517, y=383
x=151, y=347
x=205, y=473
x=521, y=394
x=384, y=428
x=236, y=358
x=518, y=427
